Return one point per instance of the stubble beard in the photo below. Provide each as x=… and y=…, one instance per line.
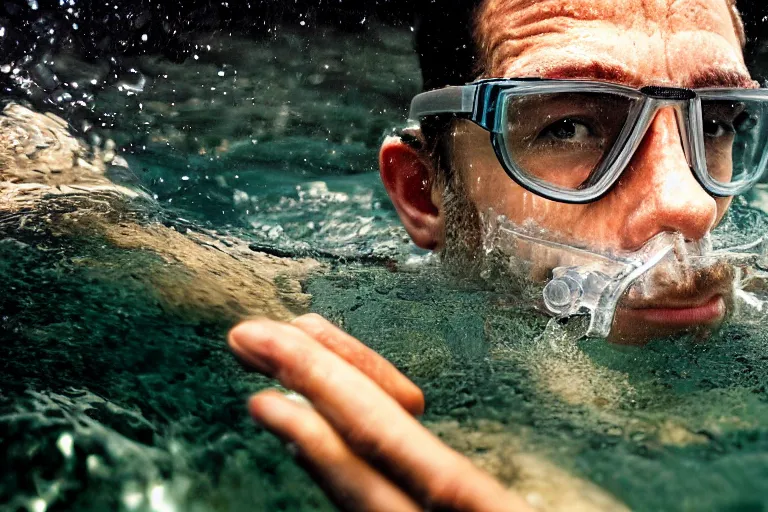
x=462, y=252
x=469, y=255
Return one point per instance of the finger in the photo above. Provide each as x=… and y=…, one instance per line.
x=369, y=420
x=378, y=369
x=347, y=479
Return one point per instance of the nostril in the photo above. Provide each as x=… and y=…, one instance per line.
x=696, y=224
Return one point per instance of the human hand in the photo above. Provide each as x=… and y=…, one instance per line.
x=360, y=440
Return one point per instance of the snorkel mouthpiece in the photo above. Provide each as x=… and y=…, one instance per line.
x=563, y=294
x=590, y=283
x=584, y=290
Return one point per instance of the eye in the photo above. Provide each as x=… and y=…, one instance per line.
x=571, y=130
x=714, y=128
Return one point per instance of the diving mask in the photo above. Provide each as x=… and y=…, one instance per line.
x=571, y=140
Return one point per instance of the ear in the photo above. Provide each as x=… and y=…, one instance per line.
x=409, y=180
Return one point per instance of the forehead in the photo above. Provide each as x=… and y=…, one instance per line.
x=637, y=42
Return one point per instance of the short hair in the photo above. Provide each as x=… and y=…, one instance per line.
x=448, y=51
x=446, y=44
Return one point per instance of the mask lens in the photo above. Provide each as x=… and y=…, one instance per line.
x=562, y=138
x=734, y=140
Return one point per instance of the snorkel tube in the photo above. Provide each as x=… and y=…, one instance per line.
x=591, y=284
x=596, y=292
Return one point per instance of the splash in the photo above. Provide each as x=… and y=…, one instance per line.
x=576, y=280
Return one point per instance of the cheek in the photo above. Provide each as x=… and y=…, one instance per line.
x=495, y=191
x=490, y=189
x=486, y=183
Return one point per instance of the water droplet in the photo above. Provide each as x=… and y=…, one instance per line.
x=132, y=500
x=65, y=444
x=38, y=505
x=158, y=500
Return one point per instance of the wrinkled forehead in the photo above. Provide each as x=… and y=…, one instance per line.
x=636, y=42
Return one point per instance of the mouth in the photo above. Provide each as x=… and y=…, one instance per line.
x=676, y=314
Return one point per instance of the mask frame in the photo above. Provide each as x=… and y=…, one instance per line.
x=484, y=103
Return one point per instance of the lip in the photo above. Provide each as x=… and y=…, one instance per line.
x=709, y=312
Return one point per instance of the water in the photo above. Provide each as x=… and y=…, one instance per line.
x=117, y=391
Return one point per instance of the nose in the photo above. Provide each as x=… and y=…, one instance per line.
x=658, y=192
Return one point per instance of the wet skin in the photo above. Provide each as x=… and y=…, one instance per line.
x=360, y=440
x=692, y=43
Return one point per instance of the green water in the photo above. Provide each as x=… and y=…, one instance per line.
x=147, y=397
x=714, y=392
x=110, y=399
x=153, y=399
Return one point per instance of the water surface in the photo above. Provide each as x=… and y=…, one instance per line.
x=117, y=390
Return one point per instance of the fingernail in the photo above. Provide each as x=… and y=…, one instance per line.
x=269, y=410
x=298, y=399
x=275, y=413
x=245, y=340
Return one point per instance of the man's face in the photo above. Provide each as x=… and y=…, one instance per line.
x=684, y=43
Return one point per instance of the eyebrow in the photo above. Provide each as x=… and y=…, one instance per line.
x=719, y=77
x=594, y=71
x=707, y=77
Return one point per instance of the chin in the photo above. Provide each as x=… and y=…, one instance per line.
x=642, y=323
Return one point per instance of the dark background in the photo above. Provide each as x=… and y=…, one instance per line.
x=115, y=28
x=47, y=45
